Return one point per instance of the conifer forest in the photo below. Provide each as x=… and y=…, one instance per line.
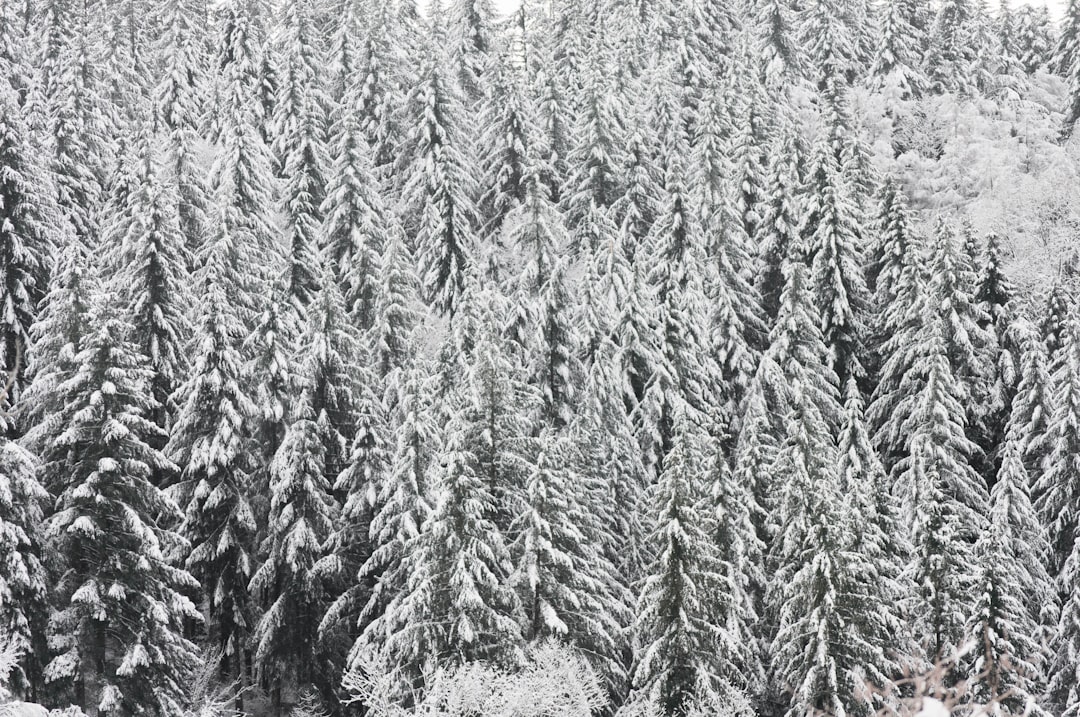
x=570, y=358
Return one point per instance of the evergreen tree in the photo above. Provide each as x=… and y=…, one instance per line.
x=951, y=58
x=457, y=606
x=299, y=129
x=302, y=513
x=153, y=280
x=209, y=441
x=562, y=581
x=402, y=504
x=396, y=308
x=1055, y=486
x=121, y=606
x=780, y=57
x=897, y=61
x=1015, y=591
x=675, y=631
x=28, y=236
x=781, y=218
x=473, y=41
x=1055, y=317
x=59, y=335
x=1068, y=44
x=178, y=113
x=946, y=499
x=833, y=242
x=439, y=184
x=356, y=216
x=24, y=591
x=507, y=120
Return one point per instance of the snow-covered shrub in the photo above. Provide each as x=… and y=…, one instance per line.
x=554, y=682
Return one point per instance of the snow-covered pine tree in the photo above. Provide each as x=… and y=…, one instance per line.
x=243, y=185
x=1032, y=408
x=439, y=180
x=1055, y=487
x=24, y=591
x=330, y=350
x=76, y=123
x=675, y=632
x=594, y=159
x=740, y=556
x=178, y=113
x=473, y=40
x=1015, y=593
x=901, y=41
x=397, y=307
x=951, y=55
x=401, y=505
x=377, y=92
x=507, y=120
x=782, y=216
x=152, y=283
x=945, y=499
x=58, y=336
x=561, y=577
x=30, y=233
x=686, y=371
x=122, y=609
x=831, y=41
x=879, y=539
x=300, y=147
x=302, y=515
x=777, y=54
x=356, y=218
x=457, y=606
x=210, y=442
x=1055, y=316
x=832, y=236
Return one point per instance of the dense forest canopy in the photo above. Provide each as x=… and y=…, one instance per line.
x=732, y=345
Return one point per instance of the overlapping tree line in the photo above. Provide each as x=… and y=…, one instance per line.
x=345, y=335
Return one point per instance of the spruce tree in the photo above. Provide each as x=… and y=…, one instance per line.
x=562, y=580
x=402, y=503
x=439, y=184
x=946, y=499
x=299, y=127
x=356, y=217
x=1015, y=591
x=29, y=234
x=833, y=239
x=121, y=607
x=901, y=41
x=675, y=631
x=507, y=119
x=24, y=591
x=178, y=112
x=153, y=280
x=209, y=442
x=457, y=606
x=302, y=514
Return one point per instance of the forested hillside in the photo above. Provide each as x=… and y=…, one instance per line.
x=732, y=344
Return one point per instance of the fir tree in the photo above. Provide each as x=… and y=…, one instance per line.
x=675, y=630
x=121, y=608
x=946, y=498
x=504, y=147
x=833, y=237
x=356, y=217
x=299, y=119
x=401, y=505
x=24, y=591
x=28, y=236
x=209, y=441
x=178, y=111
x=898, y=59
x=1015, y=591
x=457, y=606
x=562, y=581
x=439, y=184
x=302, y=513
x=153, y=281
